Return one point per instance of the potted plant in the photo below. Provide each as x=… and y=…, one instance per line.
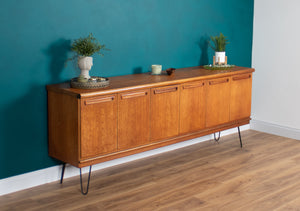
x=219, y=46
x=84, y=49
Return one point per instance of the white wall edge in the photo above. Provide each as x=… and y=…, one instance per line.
x=275, y=129
x=52, y=174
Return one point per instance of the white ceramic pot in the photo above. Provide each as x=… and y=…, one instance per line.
x=156, y=69
x=85, y=64
x=220, y=57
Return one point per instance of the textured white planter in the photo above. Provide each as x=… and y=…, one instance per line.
x=156, y=69
x=85, y=64
x=220, y=57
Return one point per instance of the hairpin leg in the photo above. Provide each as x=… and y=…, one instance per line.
x=88, y=182
x=62, y=173
x=240, y=137
x=217, y=139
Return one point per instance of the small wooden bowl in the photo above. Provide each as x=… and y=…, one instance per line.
x=170, y=71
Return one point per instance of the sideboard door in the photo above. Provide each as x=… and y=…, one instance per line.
x=134, y=119
x=164, y=117
x=217, y=101
x=98, y=126
x=192, y=106
x=240, y=102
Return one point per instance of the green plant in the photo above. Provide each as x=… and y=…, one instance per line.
x=87, y=46
x=219, y=43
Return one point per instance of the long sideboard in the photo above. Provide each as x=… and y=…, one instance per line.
x=141, y=112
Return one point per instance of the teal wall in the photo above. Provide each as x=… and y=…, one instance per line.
x=35, y=39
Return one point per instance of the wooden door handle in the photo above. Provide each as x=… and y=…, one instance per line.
x=99, y=100
x=214, y=82
x=241, y=77
x=133, y=95
x=165, y=90
x=192, y=85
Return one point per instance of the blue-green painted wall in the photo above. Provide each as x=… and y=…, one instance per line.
x=35, y=38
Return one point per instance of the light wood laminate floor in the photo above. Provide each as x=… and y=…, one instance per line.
x=264, y=175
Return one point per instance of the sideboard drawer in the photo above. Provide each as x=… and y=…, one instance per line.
x=164, y=118
x=192, y=106
x=133, y=119
x=98, y=126
x=217, y=101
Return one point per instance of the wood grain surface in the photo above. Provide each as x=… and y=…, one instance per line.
x=264, y=175
x=146, y=80
x=133, y=121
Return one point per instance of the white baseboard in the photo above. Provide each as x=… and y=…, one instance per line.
x=52, y=174
x=275, y=129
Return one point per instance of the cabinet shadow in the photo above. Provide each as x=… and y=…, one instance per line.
x=203, y=45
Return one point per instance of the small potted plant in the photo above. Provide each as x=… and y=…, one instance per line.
x=85, y=48
x=219, y=46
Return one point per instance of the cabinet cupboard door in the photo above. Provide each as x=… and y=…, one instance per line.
x=192, y=107
x=164, y=112
x=98, y=126
x=240, y=103
x=218, y=101
x=134, y=119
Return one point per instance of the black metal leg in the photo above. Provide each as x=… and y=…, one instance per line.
x=62, y=173
x=217, y=139
x=240, y=137
x=88, y=182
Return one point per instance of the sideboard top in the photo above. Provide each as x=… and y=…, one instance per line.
x=146, y=80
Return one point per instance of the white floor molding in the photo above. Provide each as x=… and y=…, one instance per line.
x=43, y=176
x=275, y=129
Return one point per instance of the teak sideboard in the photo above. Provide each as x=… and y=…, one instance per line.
x=141, y=112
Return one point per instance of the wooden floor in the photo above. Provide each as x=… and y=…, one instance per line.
x=264, y=175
